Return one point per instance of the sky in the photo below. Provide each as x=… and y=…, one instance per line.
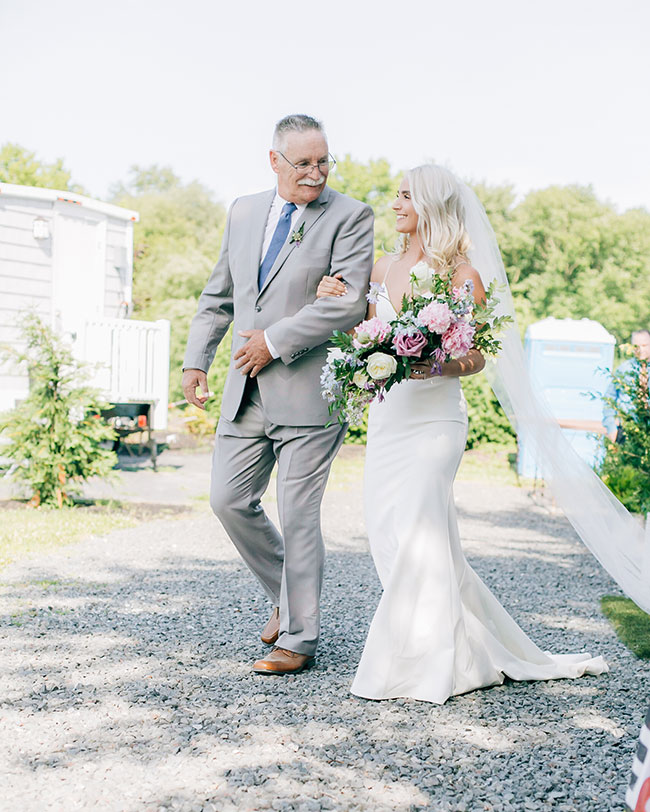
x=530, y=93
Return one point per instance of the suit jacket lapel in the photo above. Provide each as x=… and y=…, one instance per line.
x=309, y=217
x=258, y=218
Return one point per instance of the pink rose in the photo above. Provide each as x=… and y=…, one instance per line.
x=436, y=316
x=457, y=341
x=370, y=332
x=410, y=345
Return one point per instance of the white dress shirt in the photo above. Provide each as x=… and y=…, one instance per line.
x=271, y=225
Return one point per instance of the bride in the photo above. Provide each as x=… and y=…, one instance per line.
x=438, y=631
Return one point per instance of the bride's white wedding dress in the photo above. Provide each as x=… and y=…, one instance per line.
x=438, y=630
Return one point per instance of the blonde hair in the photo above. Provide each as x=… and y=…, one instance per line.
x=436, y=196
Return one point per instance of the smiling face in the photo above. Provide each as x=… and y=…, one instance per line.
x=298, y=148
x=407, y=219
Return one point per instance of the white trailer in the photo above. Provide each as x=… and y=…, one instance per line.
x=69, y=258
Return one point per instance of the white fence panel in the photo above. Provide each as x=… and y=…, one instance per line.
x=132, y=360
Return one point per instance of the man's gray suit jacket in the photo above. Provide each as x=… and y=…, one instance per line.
x=337, y=236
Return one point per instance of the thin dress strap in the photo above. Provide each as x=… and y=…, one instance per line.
x=390, y=265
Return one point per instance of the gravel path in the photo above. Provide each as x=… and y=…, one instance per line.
x=125, y=680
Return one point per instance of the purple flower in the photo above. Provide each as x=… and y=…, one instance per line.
x=410, y=345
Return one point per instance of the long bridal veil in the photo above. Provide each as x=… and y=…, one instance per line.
x=612, y=534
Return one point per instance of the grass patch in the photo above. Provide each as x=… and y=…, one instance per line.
x=26, y=530
x=347, y=468
x=491, y=463
x=631, y=624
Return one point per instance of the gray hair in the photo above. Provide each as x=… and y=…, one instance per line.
x=298, y=123
x=640, y=332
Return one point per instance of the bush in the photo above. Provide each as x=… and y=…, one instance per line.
x=487, y=420
x=56, y=433
x=626, y=467
x=198, y=422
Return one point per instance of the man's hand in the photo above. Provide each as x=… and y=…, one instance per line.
x=254, y=355
x=191, y=379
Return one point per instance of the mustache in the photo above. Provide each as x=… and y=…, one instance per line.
x=312, y=182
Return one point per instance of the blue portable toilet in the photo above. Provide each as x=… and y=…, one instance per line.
x=569, y=359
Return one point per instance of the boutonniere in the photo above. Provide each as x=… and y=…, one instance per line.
x=297, y=235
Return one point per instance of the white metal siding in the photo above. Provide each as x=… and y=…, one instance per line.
x=117, y=290
x=25, y=280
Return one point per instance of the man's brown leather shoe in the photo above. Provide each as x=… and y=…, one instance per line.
x=283, y=661
x=272, y=628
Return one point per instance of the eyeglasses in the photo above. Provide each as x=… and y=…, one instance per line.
x=304, y=167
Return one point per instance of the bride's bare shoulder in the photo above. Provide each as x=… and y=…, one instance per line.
x=381, y=266
x=465, y=271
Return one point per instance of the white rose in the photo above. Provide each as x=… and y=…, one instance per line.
x=360, y=379
x=380, y=366
x=421, y=275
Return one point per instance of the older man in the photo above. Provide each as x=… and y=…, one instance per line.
x=277, y=245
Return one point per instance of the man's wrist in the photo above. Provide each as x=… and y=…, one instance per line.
x=270, y=347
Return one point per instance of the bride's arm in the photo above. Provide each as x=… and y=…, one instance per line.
x=335, y=285
x=469, y=364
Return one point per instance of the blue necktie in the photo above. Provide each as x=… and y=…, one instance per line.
x=277, y=241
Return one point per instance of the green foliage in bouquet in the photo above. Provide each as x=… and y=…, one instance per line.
x=489, y=325
x=55, y=434
x=626, y=467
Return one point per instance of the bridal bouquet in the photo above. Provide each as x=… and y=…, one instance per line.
x=436, y=323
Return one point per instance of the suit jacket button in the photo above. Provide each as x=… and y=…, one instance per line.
x=258, y=309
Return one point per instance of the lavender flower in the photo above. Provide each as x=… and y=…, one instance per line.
x=372, y=297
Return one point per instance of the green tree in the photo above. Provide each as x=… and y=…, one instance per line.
x=569, y=255
x=176, y=244
x=373, y=183
x=19, y=165
x=55, y=434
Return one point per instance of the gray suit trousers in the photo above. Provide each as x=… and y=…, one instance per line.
x=288, y=565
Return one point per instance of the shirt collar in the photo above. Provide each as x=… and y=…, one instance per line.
x=279, y=201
